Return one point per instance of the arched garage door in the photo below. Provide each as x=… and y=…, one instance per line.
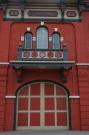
x=42, y=105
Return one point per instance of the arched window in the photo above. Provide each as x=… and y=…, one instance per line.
x=42, y=38
x=28, y=40
x=56, y=40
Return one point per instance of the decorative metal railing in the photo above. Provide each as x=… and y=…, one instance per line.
x=42, y=54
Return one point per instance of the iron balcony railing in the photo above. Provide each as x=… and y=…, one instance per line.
x=42, y=54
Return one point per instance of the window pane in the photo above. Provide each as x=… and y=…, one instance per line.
x=28, y=40
x=42, y=38
x=56, y=41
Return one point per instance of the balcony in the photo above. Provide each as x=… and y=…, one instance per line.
x=42, y=59
x=41, y=54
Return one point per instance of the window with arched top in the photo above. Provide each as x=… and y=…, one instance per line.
x=42, y=38
x=56, y=40
x=28, y=40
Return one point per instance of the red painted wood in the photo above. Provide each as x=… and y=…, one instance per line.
x=61, y=103
x=62, y=119
x=49, y=119
x=24, y=91
x=22, y=104
x=49, y=89
x=22, y=119
x=35, y=104
x=49, y=104
x=35, y=119
x=35, y=89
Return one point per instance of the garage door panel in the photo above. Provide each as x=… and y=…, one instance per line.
x=49, y=89
x=35, y=89
x=22, y=104
x=61, y=103
x=60, y=91
x=22, y=119
x=35, y=104
x=62, y=118
x=50, y=119
x=24, y=91
x=35, y=119
x=49, y=104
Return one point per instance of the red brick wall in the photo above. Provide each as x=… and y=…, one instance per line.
x=3, y=87
x=83, y=76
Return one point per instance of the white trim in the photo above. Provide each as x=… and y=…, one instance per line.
x=55, y=29
x=42, y=104
x=28, y=29
x=47, y=96
x=61, y=38
x=82, y=64
x=48, y=111
x=29, y=104
x=42, y=23
x=74, y=97
x=59, y=96
x=4, y=63
x=50, y=39
x=10, y=97
x=37, y=128
x=55, y=105
x=78, y=64
x=22, y=38
x=33, y=38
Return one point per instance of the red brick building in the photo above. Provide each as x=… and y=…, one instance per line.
x=44, y=64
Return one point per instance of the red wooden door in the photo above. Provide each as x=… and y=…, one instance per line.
x=42, y=105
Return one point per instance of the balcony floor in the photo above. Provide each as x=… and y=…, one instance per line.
x=42, y=64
